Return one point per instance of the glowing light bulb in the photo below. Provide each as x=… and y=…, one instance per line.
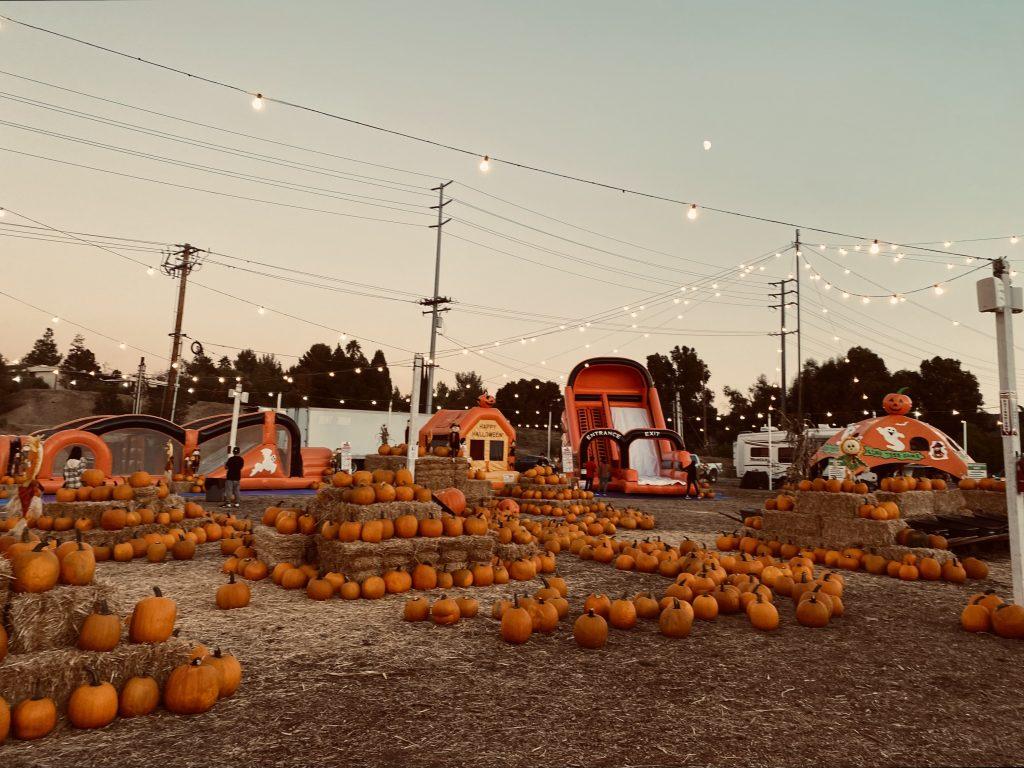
x=1014, y=240
x=261, y=310
x=485, y=164
x=707, y=145
x=692, y=213
x=893, y=299
x=150, y=271
x=865, y=300
x=54, y=319
x=947, y=243
x=122, y=345
x=257, y=102
x=874, y=247
x=939, y=290
x=2, y=213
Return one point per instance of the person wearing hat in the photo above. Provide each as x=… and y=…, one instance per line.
x=455, y=440
x=233, y=478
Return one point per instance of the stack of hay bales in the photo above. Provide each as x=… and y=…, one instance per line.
x=44, y=628
x=359, y=560
x=273, y=547
x=830, y=520
x=435, y=472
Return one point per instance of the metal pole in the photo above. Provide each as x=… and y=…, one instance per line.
x=770, y=462
x=174, y=401
x=436, y=301
x=414, y=412
x=964, y=443
x=799, y=352
x=1009, y=428
x=549, y=432
x=279, y=401
x=236, y=409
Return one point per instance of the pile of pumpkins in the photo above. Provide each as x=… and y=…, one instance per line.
x=39, y=566
x=985, y=484
x=904, y=483
x=909, y=568
x=444, y=612
x=191, y=688
x=323, y=585
x=382, y=486
x=197, y=482
x=986, y=612
x=541, y=475
x=95, y=487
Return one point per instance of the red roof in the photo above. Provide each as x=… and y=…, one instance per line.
x=441, y=422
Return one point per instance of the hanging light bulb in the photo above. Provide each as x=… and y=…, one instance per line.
x=1014, y=240
x=122, y=345
x=692, y=213
x=257, y=102
x=893, y=299
x=939, y=290
x=261, y=310
x=54, y=319
x=947, y=243
x=150, y=271
x=485, y=164
x=874, y=247
x=2, y=213
x=707, y=145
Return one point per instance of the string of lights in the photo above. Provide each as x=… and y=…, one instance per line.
x=259, y=100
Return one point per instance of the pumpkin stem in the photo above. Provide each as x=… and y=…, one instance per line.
x=157, y=592
x=95, y=679
x=231, y=578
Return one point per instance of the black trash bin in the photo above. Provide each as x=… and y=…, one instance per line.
x=215, y=489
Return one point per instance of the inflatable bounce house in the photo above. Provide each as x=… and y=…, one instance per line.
x=893, y=443
x=486, y=433
x=613, y=416
x=269, y=442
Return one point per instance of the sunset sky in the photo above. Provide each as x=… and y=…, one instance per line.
x=892, y=121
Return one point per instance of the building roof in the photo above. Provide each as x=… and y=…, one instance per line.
x=442, y=421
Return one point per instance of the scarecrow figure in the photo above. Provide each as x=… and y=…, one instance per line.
x=851, y=449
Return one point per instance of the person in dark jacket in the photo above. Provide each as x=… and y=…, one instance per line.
x=233, y=478
x=454, y=440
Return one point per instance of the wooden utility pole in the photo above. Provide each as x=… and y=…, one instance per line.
x=799, y=352
x=178, y=264
x=782, y=296
x=437, y=301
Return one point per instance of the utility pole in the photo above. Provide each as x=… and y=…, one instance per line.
x=997, y=294
x=139, y=379
x=782, y=295
x=239, y=397
x=178, y=264
x=799, y=352
x=548, y=454
x=437, y=301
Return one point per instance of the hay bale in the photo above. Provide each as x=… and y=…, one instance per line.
x=56, y=673
x=989, y=503
x=830, y=505
x=359, y=559
x=273, y=547
x=375, y=461
x=795, y=526
x=509, y=552
x=179, y=487
x=912, y=504
x=859, y=532
x=329, y=508
x=43, y=621
x=109, y=538
x=6, y=575
x=948, y=502
x=897, y=552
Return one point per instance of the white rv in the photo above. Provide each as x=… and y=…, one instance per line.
x=771, y=452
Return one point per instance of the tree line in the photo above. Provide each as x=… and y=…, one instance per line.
x=836, y=391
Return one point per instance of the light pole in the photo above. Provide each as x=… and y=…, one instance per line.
x=964, y=443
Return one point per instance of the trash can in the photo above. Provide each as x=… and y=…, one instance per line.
x=215, y=489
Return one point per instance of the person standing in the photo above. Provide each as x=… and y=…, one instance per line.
x=233, y=478
x=73, y=469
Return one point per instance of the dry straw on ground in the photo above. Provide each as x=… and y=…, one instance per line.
x=43, y=621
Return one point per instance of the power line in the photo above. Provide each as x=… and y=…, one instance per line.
x=260, y=98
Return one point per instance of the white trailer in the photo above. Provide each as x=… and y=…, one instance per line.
x=330, y=427
x=770, y=452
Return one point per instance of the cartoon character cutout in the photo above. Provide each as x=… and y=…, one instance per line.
x=266, y=464
x=894, y=439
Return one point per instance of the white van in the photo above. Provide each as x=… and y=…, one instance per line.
x=771, y=452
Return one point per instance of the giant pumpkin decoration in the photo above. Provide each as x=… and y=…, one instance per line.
x=485, y=401
x=897, y=403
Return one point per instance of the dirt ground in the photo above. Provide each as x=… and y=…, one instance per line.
x=893, y=683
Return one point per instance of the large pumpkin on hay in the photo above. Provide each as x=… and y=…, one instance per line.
x=140, y=479
x=451, y=499
x=93, y=477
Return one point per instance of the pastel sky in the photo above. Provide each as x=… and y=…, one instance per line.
x=898, y=121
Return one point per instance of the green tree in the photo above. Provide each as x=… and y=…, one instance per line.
x=80, y=364
x=527, y=402
x=110, y=402
x=464, y=393
x=684, y=375
x=44, y=351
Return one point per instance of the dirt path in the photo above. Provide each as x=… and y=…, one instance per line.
x=893, y=683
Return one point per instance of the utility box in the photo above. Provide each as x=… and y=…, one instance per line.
x=992, y=296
